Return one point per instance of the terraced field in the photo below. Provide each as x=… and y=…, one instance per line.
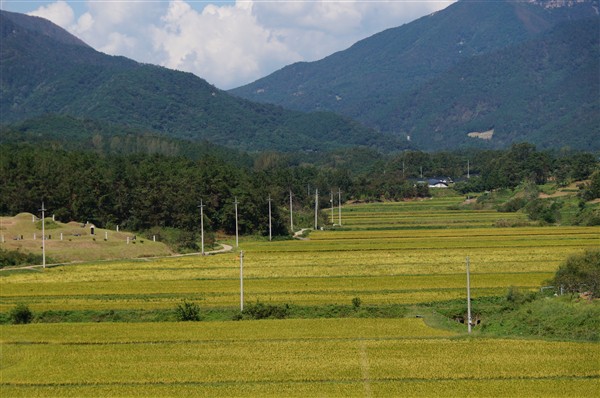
x=375, y=256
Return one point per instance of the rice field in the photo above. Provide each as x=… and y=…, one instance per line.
x=380, y=267
x=326, y=357
x=376, y=255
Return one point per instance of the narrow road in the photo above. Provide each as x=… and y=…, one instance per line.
x=224, y=249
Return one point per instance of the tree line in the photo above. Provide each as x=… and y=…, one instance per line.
x=143, y=191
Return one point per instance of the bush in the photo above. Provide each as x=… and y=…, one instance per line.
x=515, y=296
x=15, y=257
x=541, y=210
x=187, y=311
x=580, y=273
x=21, y=314
x=266, y=311
x=356, y=302
x=513, y=205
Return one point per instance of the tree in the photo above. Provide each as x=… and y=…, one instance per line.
x=21, y=314
x=580, y=273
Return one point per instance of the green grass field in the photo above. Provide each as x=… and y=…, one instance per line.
x=376, y=255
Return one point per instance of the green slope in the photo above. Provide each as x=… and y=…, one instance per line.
x=43, y=73
x=369, y=80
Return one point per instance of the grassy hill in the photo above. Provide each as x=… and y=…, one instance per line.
x=23, y=232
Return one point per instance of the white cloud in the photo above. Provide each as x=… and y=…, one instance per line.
x=231, y=44
x=60, y=13
x=223, y=44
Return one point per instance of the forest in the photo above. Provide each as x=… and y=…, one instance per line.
x=143, y=192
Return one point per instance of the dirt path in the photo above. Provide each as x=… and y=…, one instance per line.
x=224, y=249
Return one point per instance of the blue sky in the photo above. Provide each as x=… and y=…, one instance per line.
x=228, y=43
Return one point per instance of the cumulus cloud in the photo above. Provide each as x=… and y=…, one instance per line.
x=224, y=44
x=230, y=44
x=60, y=13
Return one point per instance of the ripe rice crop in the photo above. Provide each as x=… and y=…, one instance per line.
x=355, y=357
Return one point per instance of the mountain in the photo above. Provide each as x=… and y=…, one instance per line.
x=376, y=80
x=544, y=91
x=45, y=70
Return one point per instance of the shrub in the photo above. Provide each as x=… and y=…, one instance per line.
x=266, y=311
x=516, y=297
x=513, y=205
x=545, y=211
x=21, y=314
x=187, y=311
x=580, y=273
x=15, y=257
x=356, y=302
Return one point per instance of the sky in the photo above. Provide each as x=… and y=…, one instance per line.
x=228, y=43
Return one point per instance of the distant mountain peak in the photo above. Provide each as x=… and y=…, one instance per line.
x=38, y=25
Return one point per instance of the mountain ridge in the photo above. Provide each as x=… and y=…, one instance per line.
x=388, y=67
x=42, y=75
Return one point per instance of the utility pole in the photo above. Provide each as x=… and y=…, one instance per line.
x=316, y=206
x=468, y=169
x=237, y=242
x=340, y=207
x=242, y=281
x=331, y=200
x=43, y=237
x=468, y=296
x=201, y=206
x=291, y=213
x=270, y=229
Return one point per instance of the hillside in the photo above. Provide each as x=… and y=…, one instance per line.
x=544, y=91
x=74, y=241
x=369, y=80
x=44, y=70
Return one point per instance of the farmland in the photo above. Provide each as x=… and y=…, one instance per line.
x=384, y=254
x=342, y=357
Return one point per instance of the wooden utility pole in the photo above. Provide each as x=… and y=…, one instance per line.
x=468, y=296
x=316, y=207
x=201, y=206
x=331, y=200
x=43, y=236
x=242, y=281
x=270, y=227
x=291, y=213
x=340, y=207
x=237, y=242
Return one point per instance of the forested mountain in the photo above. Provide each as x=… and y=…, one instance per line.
x=44, y=70
x=544, y=91
x=377, y=78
